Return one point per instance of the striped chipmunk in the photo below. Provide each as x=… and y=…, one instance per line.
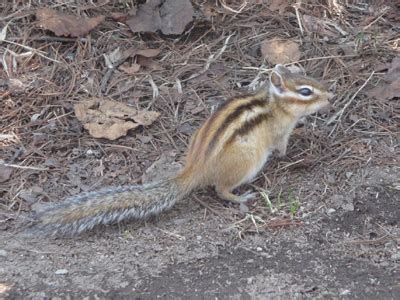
x=229, y=149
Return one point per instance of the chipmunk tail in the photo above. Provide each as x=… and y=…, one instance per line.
x=110, y=205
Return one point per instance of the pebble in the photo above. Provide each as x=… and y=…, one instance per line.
x=250, y=261
x=330, y=211
x=3, y=253
x=396, y=256
x=61, y=272
x=259, y=249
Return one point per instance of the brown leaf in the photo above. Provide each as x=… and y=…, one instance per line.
x=119, y=17
x=169, y=16
x=278, y=5
x=66, y=25
x=148, y=52
x=130, y=70
x=5, y=173
x=164, y=167
x=394, y=70
x=148, y=63
x=315, y=25
x=209, y=11
x=278, y=51
x=110, y=119
x=386, y=91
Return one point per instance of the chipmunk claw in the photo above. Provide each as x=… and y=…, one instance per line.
x=247, y=196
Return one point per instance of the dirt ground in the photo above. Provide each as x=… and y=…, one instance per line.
x=326, y=223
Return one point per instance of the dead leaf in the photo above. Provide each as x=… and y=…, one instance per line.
x=169, y=16
x=5, y=173
x=394, y=70
x=66, y=25
x=277, y=51
x=130, y=70
x=386, y=91
x=389, y=88
x=119, y=17
x=322, y=27
x=164, y=167
x=209, y=11
x=278, y=5
x=148, y=63
x=148, y=52
x=110, y=119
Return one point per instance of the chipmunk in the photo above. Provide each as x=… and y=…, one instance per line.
x=229, y=149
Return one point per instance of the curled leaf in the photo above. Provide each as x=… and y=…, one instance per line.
x=277, y=51
x=66, y=25
x=169, y=16
x=110, y=119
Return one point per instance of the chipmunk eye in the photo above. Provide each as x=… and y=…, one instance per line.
x=305, y=91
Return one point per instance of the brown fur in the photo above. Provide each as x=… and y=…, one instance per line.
x=228, y=150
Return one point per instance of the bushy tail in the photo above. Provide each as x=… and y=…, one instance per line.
x=110, y=205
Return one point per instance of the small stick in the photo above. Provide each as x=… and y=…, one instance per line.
x=206, y=206
x=111, y=67
x=339, y=114
x=25, y=167
x=296, y=8
x=212, y=58
x=38, y=52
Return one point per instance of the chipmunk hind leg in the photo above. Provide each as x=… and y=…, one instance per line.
x=233, y=169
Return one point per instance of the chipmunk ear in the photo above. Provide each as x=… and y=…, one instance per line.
x=276, y=76
x=281, y=69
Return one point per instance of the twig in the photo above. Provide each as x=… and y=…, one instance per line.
x=179, y=237
x=338, y=115
x=296, y=8
x=300, y=61
x=231, y=9
x=111, y=66
x=206, y=206
x=212, y=58
x=25, y=167
x=38, y=52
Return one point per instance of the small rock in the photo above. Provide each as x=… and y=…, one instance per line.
x=396, y=256
x=250, y=261
x=330, y=211
x=243, y=208
x=61, y=272
x=345, y=292
x=259, y=249
x=3, y=253
x=250, y=280
x=348, y=206
x=349, y=174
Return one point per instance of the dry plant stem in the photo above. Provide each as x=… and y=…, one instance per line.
x=338, y=115
x=212, y=58
x=231, y=9
x=202, y=203
x=25, y=167
x=296, y=8
x=110, y=71
x=38, y=52
x=300, y=61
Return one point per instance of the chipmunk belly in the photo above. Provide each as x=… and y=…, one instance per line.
x=257, y=150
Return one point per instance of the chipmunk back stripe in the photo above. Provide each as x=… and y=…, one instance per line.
x=234, y=115
x=249, y=126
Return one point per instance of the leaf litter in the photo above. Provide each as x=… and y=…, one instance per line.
x=168, y=16
x=66, y=25
x=109, y=119
x=278, y=51
x=389, y=87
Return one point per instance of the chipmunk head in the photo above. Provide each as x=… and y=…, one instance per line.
x=297, y=93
